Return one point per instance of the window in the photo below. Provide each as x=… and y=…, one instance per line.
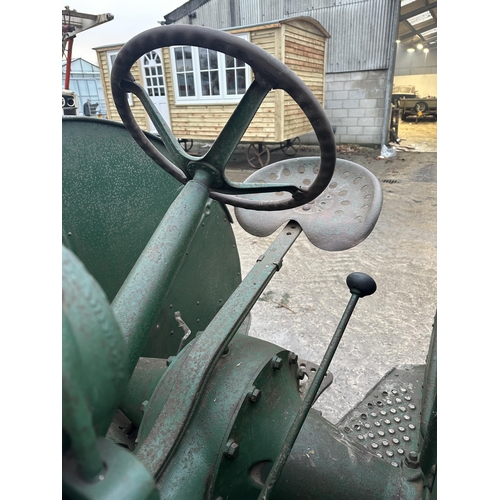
x=235, y=76
x=184, y=71
x=205, y=76
x=153, y=73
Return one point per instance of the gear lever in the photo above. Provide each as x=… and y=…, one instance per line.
x=360, y=285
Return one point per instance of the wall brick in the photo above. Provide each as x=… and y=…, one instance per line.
x=338, y=113
x=357, y=94
x=355, y=130
x=349, y=121
x=334, y=86
x=366, y=122
x=357, y=112
x=372, y=130
x=368, y=103
x=335, y=104
x=351, y=103
x=344, y=95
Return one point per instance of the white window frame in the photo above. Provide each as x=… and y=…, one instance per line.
x=198, y=98
x=111, y=56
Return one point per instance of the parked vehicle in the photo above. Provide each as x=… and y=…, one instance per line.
x=418, y=107
x=410, y=104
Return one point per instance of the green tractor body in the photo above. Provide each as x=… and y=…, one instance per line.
x=165, y=395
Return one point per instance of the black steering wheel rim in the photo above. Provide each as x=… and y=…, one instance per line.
x=268, y=71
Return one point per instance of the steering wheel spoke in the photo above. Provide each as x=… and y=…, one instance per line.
x=269, y=74
x=175, y=151
x=223, y=148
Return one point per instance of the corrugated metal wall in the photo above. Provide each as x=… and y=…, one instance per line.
x=359, y=29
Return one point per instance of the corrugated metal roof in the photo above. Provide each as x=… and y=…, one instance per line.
x=359, y=29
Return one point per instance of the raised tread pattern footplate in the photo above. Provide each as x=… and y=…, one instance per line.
x=387, y=421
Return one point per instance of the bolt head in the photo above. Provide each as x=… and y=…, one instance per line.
x=276, y=363
x=255, y=395
x=232, y=449
x=293, y=358
x=411, y=460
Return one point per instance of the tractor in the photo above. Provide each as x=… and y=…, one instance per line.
x=165, y=393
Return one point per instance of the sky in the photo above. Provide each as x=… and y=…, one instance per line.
x=130, y=19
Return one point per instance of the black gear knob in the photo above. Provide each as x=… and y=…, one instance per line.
x=361, y=284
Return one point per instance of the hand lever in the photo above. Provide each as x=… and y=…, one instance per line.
x=360, y=285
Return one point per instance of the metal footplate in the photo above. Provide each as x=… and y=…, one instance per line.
x=305, y=373
x=387, y=421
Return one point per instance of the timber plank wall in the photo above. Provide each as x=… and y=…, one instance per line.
x=298, y=42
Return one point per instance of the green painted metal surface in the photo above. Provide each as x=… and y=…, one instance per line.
x=124, y=477
x=94, y=361
x=202, y=466
x=213, y=422
x=326, y=463
x=114, y=198
x=184, y=393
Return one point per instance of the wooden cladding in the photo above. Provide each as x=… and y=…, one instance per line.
x=299, y=43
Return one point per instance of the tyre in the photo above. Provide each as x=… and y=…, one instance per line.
x=421, y=106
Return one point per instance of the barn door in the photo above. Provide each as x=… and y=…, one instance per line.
x=154, y=82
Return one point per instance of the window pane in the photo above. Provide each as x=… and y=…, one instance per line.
x=213, y=59
x=181, y=85
x=190, y=84
x=241, y=81
x=205, y=83
x=214, y=77
x=229, y=61
x=179, y=61
x=146, y=71
x=230, y=82
x=92, y=87
x=240, y=64
x=161, y=80
x=203, y=58
x=188, y=57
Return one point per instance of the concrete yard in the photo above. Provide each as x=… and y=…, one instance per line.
x=302, y=305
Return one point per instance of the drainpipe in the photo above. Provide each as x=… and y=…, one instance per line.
x=390, y=72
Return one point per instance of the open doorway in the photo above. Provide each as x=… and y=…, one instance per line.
x=415, y=96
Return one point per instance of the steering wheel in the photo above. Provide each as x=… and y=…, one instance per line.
x=269, y=74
